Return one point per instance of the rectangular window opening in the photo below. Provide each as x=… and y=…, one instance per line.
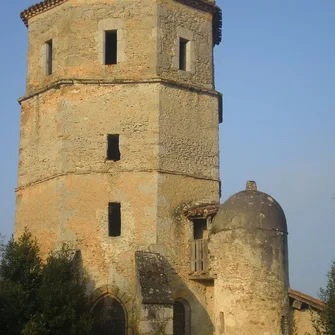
x=110, y=47
x=114, y=219
x=113, y=148
x=200, y=229
x=183, y=51
x=48, y=57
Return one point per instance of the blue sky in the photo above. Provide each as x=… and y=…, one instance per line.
x=276, y=69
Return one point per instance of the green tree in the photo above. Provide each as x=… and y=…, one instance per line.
x=20, y=278
x=328, y=296
x=41, y=298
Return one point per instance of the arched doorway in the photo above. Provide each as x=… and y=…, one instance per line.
x=110, y=317
x=181, y=317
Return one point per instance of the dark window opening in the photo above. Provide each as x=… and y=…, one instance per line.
x=181, y=318
x=114, y=219
x=183, y=54
x=49, y=57
x=113, y=150
x=111, y=47
x=110, y=318
x=199, y=229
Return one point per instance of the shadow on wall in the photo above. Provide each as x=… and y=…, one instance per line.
x=162, y=303
x=160, y=286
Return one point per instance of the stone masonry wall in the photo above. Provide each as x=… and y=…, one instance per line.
x=188, y=156
x=65, y=130
x=176, y=21
x=77, y=27
x=188, y=133
x=303, y=321
x=251, y=290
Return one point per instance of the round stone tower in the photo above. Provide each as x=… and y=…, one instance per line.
x=249, y=246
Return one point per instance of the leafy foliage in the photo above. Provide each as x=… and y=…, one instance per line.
x=20, y=278
x=328, y=296
x=37, y=298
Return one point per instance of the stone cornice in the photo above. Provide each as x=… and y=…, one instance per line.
x=74, y=81
x=91, y=172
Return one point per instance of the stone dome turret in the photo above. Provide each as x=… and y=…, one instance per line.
x=250, y=209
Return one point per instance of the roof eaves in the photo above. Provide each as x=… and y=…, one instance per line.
x=306, y=299
x=201, y=211
x=39, y=8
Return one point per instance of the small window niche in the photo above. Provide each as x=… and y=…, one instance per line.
x=49, y=57
x=200, y=229
x=113, y=147
x=114, y=219
x=110, y=47
x=184, y=62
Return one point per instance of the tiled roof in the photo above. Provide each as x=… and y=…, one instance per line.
x=306, y=299
x=39, y=8
x=202, y=211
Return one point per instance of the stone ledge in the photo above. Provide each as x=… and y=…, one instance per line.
x=201, y=276
x=75, y=81
x=174, y=173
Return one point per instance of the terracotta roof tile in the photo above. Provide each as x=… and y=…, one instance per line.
x=39, y=8
x=201, y=211
x=306, y=299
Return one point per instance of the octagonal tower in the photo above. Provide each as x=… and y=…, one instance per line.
x=119, y=127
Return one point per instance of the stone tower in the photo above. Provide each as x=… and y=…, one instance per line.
x=249, y=241
x=119, y=139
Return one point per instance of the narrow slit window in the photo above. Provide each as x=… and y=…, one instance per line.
x=113, y=148
x=49, y=59
x=110, y=47
x=114, y=219
x=183, y=53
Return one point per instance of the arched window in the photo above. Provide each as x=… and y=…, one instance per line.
x=110, y=317
x=181, y=318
